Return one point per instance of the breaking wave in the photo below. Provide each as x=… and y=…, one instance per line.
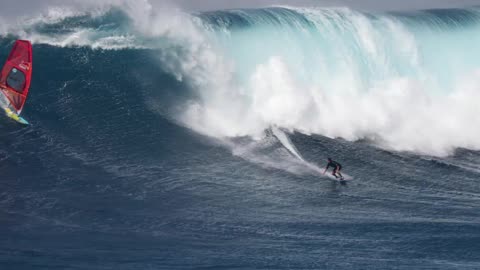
x=405, y=81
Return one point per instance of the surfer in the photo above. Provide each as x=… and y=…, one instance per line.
x=336, y=168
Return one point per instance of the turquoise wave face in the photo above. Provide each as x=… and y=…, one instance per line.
x=434, y=47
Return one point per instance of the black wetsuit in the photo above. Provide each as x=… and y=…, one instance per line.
x=335, y=165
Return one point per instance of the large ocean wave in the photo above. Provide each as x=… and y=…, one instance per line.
x=405, y=81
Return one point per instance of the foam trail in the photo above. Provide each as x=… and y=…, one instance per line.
x=283, y=138
x=287, y=143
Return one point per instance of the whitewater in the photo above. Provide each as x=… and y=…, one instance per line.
x=166, y=139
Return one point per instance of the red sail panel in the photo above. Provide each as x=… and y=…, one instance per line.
x=16, y=74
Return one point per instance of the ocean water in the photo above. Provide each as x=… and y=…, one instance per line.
x=161, y=139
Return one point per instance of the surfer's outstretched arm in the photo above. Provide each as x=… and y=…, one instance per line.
x=328, y=165
x=326, y=168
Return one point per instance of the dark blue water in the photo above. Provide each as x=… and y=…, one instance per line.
x=105, y=178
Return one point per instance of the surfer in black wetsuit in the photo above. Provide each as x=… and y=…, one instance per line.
x=336, y=168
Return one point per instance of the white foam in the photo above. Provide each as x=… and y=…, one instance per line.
x=25, y=27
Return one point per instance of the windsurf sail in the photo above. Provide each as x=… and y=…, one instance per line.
x=16, y=76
